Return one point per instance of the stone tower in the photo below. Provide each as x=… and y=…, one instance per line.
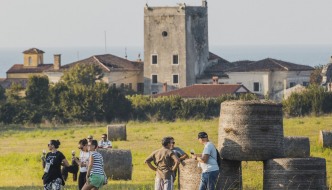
x=176, y=47
x=33, y=57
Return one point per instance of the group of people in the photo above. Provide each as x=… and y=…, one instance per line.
x=167, y=159
x=90, y=162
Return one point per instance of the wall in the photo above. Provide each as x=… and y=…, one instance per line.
x=35, y=60
x=187, y=36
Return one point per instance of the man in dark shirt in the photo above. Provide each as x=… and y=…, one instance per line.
x=165, y=163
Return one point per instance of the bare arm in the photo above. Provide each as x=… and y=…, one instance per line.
x=176, y=162
x=202, y=159
x=151, y=166
x=184, y=156
x=89, y=169
x=65, y=163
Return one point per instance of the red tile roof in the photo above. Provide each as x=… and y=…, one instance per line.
x=19, y=68
x=33, y=51
x=107, y=62
x=205, y=90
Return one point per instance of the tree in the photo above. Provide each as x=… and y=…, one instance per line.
x=37, y=91
x=85, y=74
x=316, y=77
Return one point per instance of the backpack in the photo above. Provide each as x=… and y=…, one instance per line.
x=218, y=158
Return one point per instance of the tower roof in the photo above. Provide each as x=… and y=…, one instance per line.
x=33, y=51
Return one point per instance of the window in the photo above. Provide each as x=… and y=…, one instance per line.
x=175, y=59
x=114, y=85
x=30, y=60
x=256, y=87
x=130, y=86
x=154, y=59
x=122, y=85
x=305, y=83
x=140, y=88
x=291, y=84
x=164, y=34
x=154, y=79
x=175, y=79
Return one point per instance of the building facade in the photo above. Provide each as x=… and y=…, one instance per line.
x=176, y=48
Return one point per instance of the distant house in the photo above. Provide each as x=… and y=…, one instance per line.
x=265, y=77
x=33, y=64
x=118, y=72
x=206, y=91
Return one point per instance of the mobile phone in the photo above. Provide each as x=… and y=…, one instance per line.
x=192, y=151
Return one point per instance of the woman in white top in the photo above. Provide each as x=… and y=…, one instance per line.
x=95, y=177
x=82, y=162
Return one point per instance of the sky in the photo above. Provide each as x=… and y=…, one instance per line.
x=84, y=23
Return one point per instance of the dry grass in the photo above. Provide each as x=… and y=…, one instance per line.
x=21, y=148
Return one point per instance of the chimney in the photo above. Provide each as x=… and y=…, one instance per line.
x=204, y=3
x=165, y=87
x=57, y=61
x=139, y=58
x=215, y=80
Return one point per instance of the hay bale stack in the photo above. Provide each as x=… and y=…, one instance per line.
x=296, y=147
x=190, y=175
x=117, y=132
x=325, y=138
x=117, y=163
x=230, y=176
x=295, y=173
x=250, y=131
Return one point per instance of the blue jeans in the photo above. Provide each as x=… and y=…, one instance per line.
x=208, y=180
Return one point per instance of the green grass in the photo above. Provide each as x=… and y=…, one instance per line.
x=21, y=148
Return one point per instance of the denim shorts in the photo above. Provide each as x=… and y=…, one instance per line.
x=96, y=180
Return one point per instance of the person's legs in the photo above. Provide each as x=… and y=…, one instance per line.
x=169, y=184
x=212, y=178
x=81, y=180
x=158, y=184
x=204, y=181
x=87, y=187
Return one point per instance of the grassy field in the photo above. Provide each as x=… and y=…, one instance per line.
x=21, y=148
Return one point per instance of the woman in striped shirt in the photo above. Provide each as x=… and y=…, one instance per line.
x=95, y=175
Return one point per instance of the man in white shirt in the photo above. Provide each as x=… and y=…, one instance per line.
x=104, y=143
x=208, y=162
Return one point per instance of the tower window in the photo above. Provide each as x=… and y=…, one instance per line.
x=164, y=34
x=30, y=60
x=154, y=59
x=257, y=87
x=154, y=79
x=175, y=79
x=176, y=59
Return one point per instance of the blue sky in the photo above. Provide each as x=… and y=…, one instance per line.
x=73, y=23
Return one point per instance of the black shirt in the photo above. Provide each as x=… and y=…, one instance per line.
x=55, y=160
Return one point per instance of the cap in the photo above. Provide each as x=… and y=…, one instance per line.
x=202, y=135
x=90, y=137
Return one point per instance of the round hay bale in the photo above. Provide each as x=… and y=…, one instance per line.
x=190, y=175
x=296, y=147
x=295, y=173
x=250, y=131
x=117, y=163
x=230, y=176
x=325, y=139
x=117, y=132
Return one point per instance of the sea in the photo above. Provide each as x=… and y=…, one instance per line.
x=312, y=55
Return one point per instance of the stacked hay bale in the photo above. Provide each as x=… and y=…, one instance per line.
x=230, y=176
x=250, y=130
x=253, y=131
x=117, y=132
x=190, y=175
x=325, y=139
x=296, y=147
x=295, y=173
x=117, y=163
